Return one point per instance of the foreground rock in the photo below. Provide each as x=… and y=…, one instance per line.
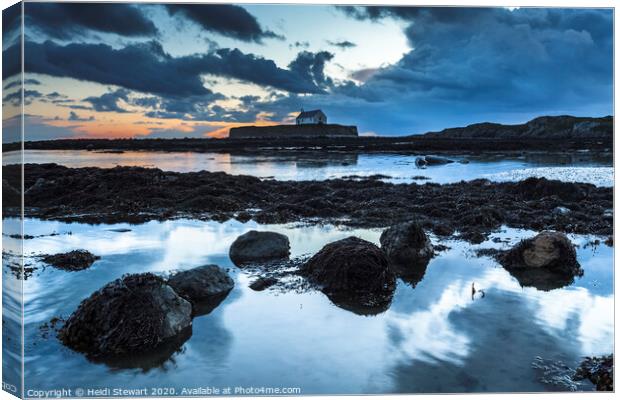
x=134, y=314
x=75, y=260
x=204, y=287
x=546, y=261
x=354, y=274
x=599, y=370
x=408, y=250
x=254, y=246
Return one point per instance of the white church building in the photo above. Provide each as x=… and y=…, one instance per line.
x=311, y=117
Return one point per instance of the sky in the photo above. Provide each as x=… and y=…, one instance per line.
x=171, y=71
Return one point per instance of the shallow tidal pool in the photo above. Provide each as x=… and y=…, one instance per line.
x=434, y=337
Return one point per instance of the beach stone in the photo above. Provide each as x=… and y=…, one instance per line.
x=133, y=314
x=255, y=246
x=435, y=160
x=261, y=284
x=75, y=260
x=353, y=273
x=204, y=287
x=406, y=243
x=546, y=261
x=424, y=161
x=546, y=250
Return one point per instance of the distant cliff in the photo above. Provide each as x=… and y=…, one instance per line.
x=560, y=127
x=289, y=131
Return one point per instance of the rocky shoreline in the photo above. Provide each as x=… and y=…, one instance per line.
x=469, y=210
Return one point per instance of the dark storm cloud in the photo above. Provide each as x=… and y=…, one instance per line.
x=443, y=14
x=310, y=66
x=191, y=108
x=343, y=45
x=66, y=20
x=228, y=20
x=74, y=117
x=109, y=101
x=11, y=19
x=145, y=67
x=16, y=97
x=491, y=63
x=18, y=83
x=298, y=44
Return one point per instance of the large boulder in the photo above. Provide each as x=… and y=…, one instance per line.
x=134, y=314
x=75, y=260
x=408, y=249
x=204, y=287
x=254, y=247
x=354, y=274
x=546, y=261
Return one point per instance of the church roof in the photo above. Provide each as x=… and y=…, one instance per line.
x=309, y=114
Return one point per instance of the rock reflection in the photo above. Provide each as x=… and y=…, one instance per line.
x=412, y=273
x=148, y=360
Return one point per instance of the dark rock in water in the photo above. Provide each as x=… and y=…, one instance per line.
x=204, y=287
x=431, y=160
x=420, y=162
x=263, y=283
x=354, y=274
x=408, y=250
x=131, y=315
x=406, y=243
x=435, y=160
x=253, y=246
x=75, y=260
x=610, y=241
x=546, y=261
x=120, y=230
x=599, y=370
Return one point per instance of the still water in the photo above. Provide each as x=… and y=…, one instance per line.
x=575, y=167
x=433, y=338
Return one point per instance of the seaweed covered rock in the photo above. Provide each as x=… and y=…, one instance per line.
x=406, y=244
x=75, y=260
x=254, y=246
x=134, y=314
x=204, y=287
x=261, y=283
x=354, y=274
x=546, y=261
x=599, y=370
x=408, y=250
